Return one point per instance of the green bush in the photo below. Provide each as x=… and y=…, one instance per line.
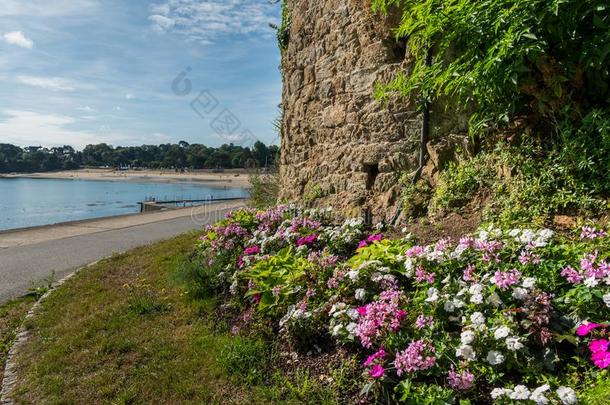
x=264, y=189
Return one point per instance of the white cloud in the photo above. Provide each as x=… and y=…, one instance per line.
x=31, y=128
x=17, y=38
x=45, y=8
x=205, y=20
x=48, y=83
x=86, y=109
x=129, y=96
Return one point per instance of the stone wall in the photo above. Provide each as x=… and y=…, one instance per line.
x=339, y=145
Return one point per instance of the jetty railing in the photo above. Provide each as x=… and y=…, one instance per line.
x=154, y=205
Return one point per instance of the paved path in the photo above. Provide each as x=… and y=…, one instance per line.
x=21, y=265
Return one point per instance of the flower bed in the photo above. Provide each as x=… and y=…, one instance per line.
x=499, y=316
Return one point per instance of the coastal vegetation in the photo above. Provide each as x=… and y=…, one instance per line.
x=177, y=156
x=531, y=78
x=297, y=306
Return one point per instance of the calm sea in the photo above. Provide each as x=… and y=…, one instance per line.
x=31, y=202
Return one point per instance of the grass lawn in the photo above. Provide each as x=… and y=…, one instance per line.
x=12, y=315
x=122, y=331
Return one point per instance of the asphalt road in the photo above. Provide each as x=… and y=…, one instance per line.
x=21, y=266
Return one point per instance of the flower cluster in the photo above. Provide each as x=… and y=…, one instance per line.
x=499, y=315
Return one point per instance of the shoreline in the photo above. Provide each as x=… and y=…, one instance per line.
x=42, y=233
x=234, y=178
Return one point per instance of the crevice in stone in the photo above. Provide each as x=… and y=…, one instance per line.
x=372, y=171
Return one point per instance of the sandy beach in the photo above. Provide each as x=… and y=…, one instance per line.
x=226, y=179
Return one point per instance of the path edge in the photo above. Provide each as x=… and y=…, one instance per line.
x=9, y=382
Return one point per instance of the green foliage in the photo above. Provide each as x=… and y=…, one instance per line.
x=283, y=30
x=508, y=58
x=531, y=180
x=182, y=155
x=275, y=279
x=199, y=280
x=244, y=357
x=264, y=189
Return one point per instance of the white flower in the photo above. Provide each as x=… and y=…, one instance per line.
x=501, y=332
x=520, y=293
x=606, y=299
x=529, y=282
x=494, y=299
x=409, y=267
x=513, y=343
x=353, y=314
x=538, y=395
x=476, y=299
x=467, y=337
x=449, y=306
x=520, y=392
x=353, y=275
x=499, y=392
x=477, y=319
x=494, y=358
x=513, y=233
x=360, y=294
x=466, y=352
x=475, y=289
x=337, y=329
x=351, y=327
x=591, y=282
x=432, y=295
x=566, y=395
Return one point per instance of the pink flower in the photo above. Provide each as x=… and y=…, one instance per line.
x=571, y=275
x=252, y=250
x=415, y=251
x=468, y=274
x=601, y=359
x=362, y=244
x=377, y=371
x=380, y=354
x=505, y=279
x=423, y=321
x=460, y=381
x=380, y=317
x=307, y=240
x=585, y=328
x=374, y=238
x=599, y=345
x=417, y=356
x=422, y=275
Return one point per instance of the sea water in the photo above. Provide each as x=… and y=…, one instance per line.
x=26, y=202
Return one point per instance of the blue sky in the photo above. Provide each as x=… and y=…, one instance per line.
x=88, y=71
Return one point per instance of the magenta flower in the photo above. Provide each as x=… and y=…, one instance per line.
x=377, y=371
x=585, y=328
x=599, y=345
x=362, y=310
x=307, y=240
x=380, y=354
x=252, y=251
x=460, y=381
x=601, y=359
x=423, y=321
x=362, y=244
x=374, y=238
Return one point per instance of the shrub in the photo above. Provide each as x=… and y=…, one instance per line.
x=264, y=189
x=502, y=315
